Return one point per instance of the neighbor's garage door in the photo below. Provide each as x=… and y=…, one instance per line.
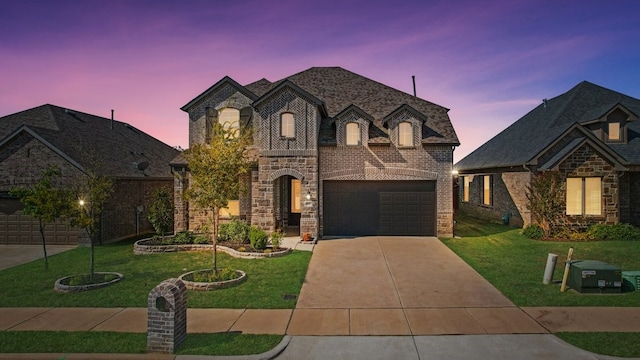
x=18, y=228
x=379, y=208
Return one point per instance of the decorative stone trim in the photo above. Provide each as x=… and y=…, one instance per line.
x=62, y=288
x=206, y=286
x=140, y=248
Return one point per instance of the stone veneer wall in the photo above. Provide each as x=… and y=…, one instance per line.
x=585, y=162
x=263, y=191
x=429, y=162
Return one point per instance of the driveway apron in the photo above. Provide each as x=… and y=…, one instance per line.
x=383, y=285
x=393, y=272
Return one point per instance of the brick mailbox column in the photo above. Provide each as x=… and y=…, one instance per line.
x=166, y=316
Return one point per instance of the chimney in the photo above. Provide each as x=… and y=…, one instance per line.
x=111, y=119
x=413, y=78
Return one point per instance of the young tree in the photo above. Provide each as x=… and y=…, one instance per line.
x=161, y=211
x=215, y=169
x=45, y=201
x=92, y=191
x=546, y=200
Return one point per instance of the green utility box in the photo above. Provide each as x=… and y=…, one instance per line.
x=631, y=280
x=593, y=276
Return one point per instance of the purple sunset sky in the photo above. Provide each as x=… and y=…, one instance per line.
x=490, y=62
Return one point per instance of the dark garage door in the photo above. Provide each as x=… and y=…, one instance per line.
x=18, y=228
x=379, y=208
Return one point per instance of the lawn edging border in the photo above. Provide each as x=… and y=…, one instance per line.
x=141, y=248
x=62, y=288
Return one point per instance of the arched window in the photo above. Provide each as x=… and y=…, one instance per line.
x=287, y=125
x=353, y=133
x=230, y=119
x=405, y=134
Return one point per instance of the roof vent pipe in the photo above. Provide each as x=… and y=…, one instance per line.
x=413, y=78
x=544, y=101
x=111, y=119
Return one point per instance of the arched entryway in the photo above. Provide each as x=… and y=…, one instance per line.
x=288, y=205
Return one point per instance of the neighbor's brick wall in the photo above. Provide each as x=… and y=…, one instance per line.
x=508, y=191
x=119, y=214
x=390, y=163
x=630, y=198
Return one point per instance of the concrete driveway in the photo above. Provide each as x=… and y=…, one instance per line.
x=400, y=286
x=13, y=255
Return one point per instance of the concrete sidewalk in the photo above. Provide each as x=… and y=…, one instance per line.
x=337, y=322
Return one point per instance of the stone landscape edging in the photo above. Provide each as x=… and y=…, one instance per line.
x=139, y=248
x=62, y=288
x=206, y=286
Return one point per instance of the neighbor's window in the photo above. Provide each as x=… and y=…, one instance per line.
x=353, y=133
x=584, y=196
x=614, y=131
x=230, y=119
x=486, y=187
x=287, y=125
x=465, y=194
x=405, y=134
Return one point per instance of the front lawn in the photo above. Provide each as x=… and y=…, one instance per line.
x=29, y=285
x=131, y=343
x=515, y=264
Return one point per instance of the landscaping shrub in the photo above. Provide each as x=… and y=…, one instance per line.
x=183, y=237
x=276, y=238
x=236, y=231
x=201, y=239
x=533, y=232
x=621, y=232
x=258, y=238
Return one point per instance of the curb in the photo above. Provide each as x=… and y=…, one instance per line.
x=271, y=354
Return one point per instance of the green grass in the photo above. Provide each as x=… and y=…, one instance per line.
x=267, y=279
x=131, y=343
x=606, y=343
x=515, y=264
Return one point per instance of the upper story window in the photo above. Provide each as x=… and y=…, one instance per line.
x=287, y=125
x=229, y=118
x=405, y=134
x=614, y=131
x=353, y=134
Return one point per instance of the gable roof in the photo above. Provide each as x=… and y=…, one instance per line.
x=76, y=136
x=338, y=89
x=215, y=87
x=524, y=139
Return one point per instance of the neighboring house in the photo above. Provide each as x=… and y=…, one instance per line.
x=33, y=140
x=338, y=155
x=590, y=134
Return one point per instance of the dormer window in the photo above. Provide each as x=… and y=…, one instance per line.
x=405, y=134
x=287, y=125
x=353, y=134
x=614, y=132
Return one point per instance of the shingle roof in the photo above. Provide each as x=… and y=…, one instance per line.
x=339, y=88
x=525, y=138
x=76, y=134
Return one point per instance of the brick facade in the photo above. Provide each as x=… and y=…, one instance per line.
x=309, y=157
x=22, y=163
x=508, y=197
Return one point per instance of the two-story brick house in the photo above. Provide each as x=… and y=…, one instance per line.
x=338, y=155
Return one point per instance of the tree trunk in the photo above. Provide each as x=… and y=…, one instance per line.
x=44, y=244
x=92, y=262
